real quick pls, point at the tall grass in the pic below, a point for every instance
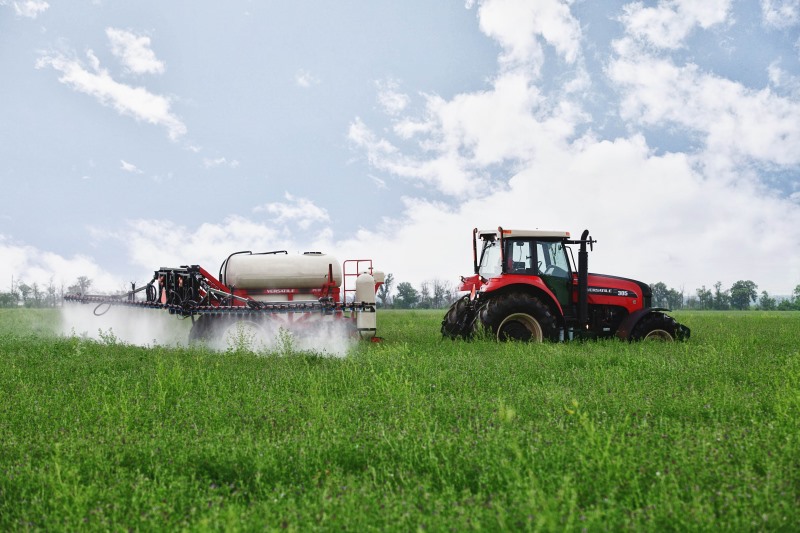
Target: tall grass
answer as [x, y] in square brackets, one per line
[412, 433]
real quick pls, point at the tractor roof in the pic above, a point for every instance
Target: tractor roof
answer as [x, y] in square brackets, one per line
[527, 233]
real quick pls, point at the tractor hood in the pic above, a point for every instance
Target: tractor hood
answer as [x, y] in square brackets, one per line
[605, 289]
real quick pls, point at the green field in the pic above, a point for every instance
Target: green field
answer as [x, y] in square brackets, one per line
[414, 433]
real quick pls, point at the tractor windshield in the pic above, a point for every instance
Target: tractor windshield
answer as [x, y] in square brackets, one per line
[489, 266]
[552, 259]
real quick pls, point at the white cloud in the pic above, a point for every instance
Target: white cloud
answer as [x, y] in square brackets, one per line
[28, 264]
[305, 79]
[670, 217]
[136, 102]
[129, 167]
[219, 161]
[134, 52]
[518, 25]
[391, 100]
[734, 120]
[780, 14]
[460, 138]
[29, 8]
[299, 211]
[669, 23]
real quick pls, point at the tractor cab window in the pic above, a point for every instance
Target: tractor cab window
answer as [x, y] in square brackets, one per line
[552, 259]
[489, 266]
[520, 256]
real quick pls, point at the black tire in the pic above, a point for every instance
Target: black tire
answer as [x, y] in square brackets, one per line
[519, 317]
[656, 326]
[458, 320]
[201, 329]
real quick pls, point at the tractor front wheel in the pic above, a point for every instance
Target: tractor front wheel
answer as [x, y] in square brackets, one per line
[655, 327]
[519, 317]
[458, 319]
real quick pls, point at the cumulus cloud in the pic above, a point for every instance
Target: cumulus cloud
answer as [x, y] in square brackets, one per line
[780, 14]
[299, 211]
[28, 264]
[669, 217]
[129, 167]
[520, 26]
[136, 102]
[219, 161]
[29, 8]
[305, 79]
[134, 52]
[669, 23]
[390, 99]
[734, 120]
[460, 138]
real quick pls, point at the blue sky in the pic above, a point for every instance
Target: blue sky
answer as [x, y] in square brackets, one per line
[140, 135]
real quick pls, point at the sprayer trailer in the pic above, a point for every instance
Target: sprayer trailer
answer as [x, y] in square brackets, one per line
[259, 291]
[526, 287]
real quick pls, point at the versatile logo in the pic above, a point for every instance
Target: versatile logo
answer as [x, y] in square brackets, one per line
[609, 291]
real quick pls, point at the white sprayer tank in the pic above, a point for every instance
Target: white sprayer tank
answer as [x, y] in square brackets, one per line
[366, 318]
[281, 271]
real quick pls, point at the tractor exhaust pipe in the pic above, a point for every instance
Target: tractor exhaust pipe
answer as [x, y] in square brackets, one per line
[583, 281]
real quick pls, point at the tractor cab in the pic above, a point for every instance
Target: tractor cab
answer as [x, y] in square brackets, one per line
[508, 254]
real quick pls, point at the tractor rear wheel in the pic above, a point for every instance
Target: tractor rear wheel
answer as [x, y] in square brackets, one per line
[519, 317]
[458, 319]
[655, 327]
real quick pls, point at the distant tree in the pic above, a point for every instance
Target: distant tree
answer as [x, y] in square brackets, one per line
[385, 290]
[407, 296]
[37, 297]
[766, 302]
[659, 294]
[705, 299]
[81, 286]
[742, 293]
[442, 293]
[674, 299]
[722, 299]
[8, 299]
[24, 292]
[425, 298]
[51, 299]
[785, 305]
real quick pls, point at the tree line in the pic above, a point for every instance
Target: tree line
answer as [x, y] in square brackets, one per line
[21, 294]
[438, 294]
[742, 295]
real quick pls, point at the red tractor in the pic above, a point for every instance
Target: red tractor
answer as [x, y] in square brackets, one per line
[526, 287]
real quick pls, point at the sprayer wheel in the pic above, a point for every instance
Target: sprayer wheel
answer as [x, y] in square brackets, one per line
[226, 332]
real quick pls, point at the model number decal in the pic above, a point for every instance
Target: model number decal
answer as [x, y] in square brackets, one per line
[611, 291]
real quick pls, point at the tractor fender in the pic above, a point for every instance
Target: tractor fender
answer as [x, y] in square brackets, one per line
[630, 321]
[518, 283]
